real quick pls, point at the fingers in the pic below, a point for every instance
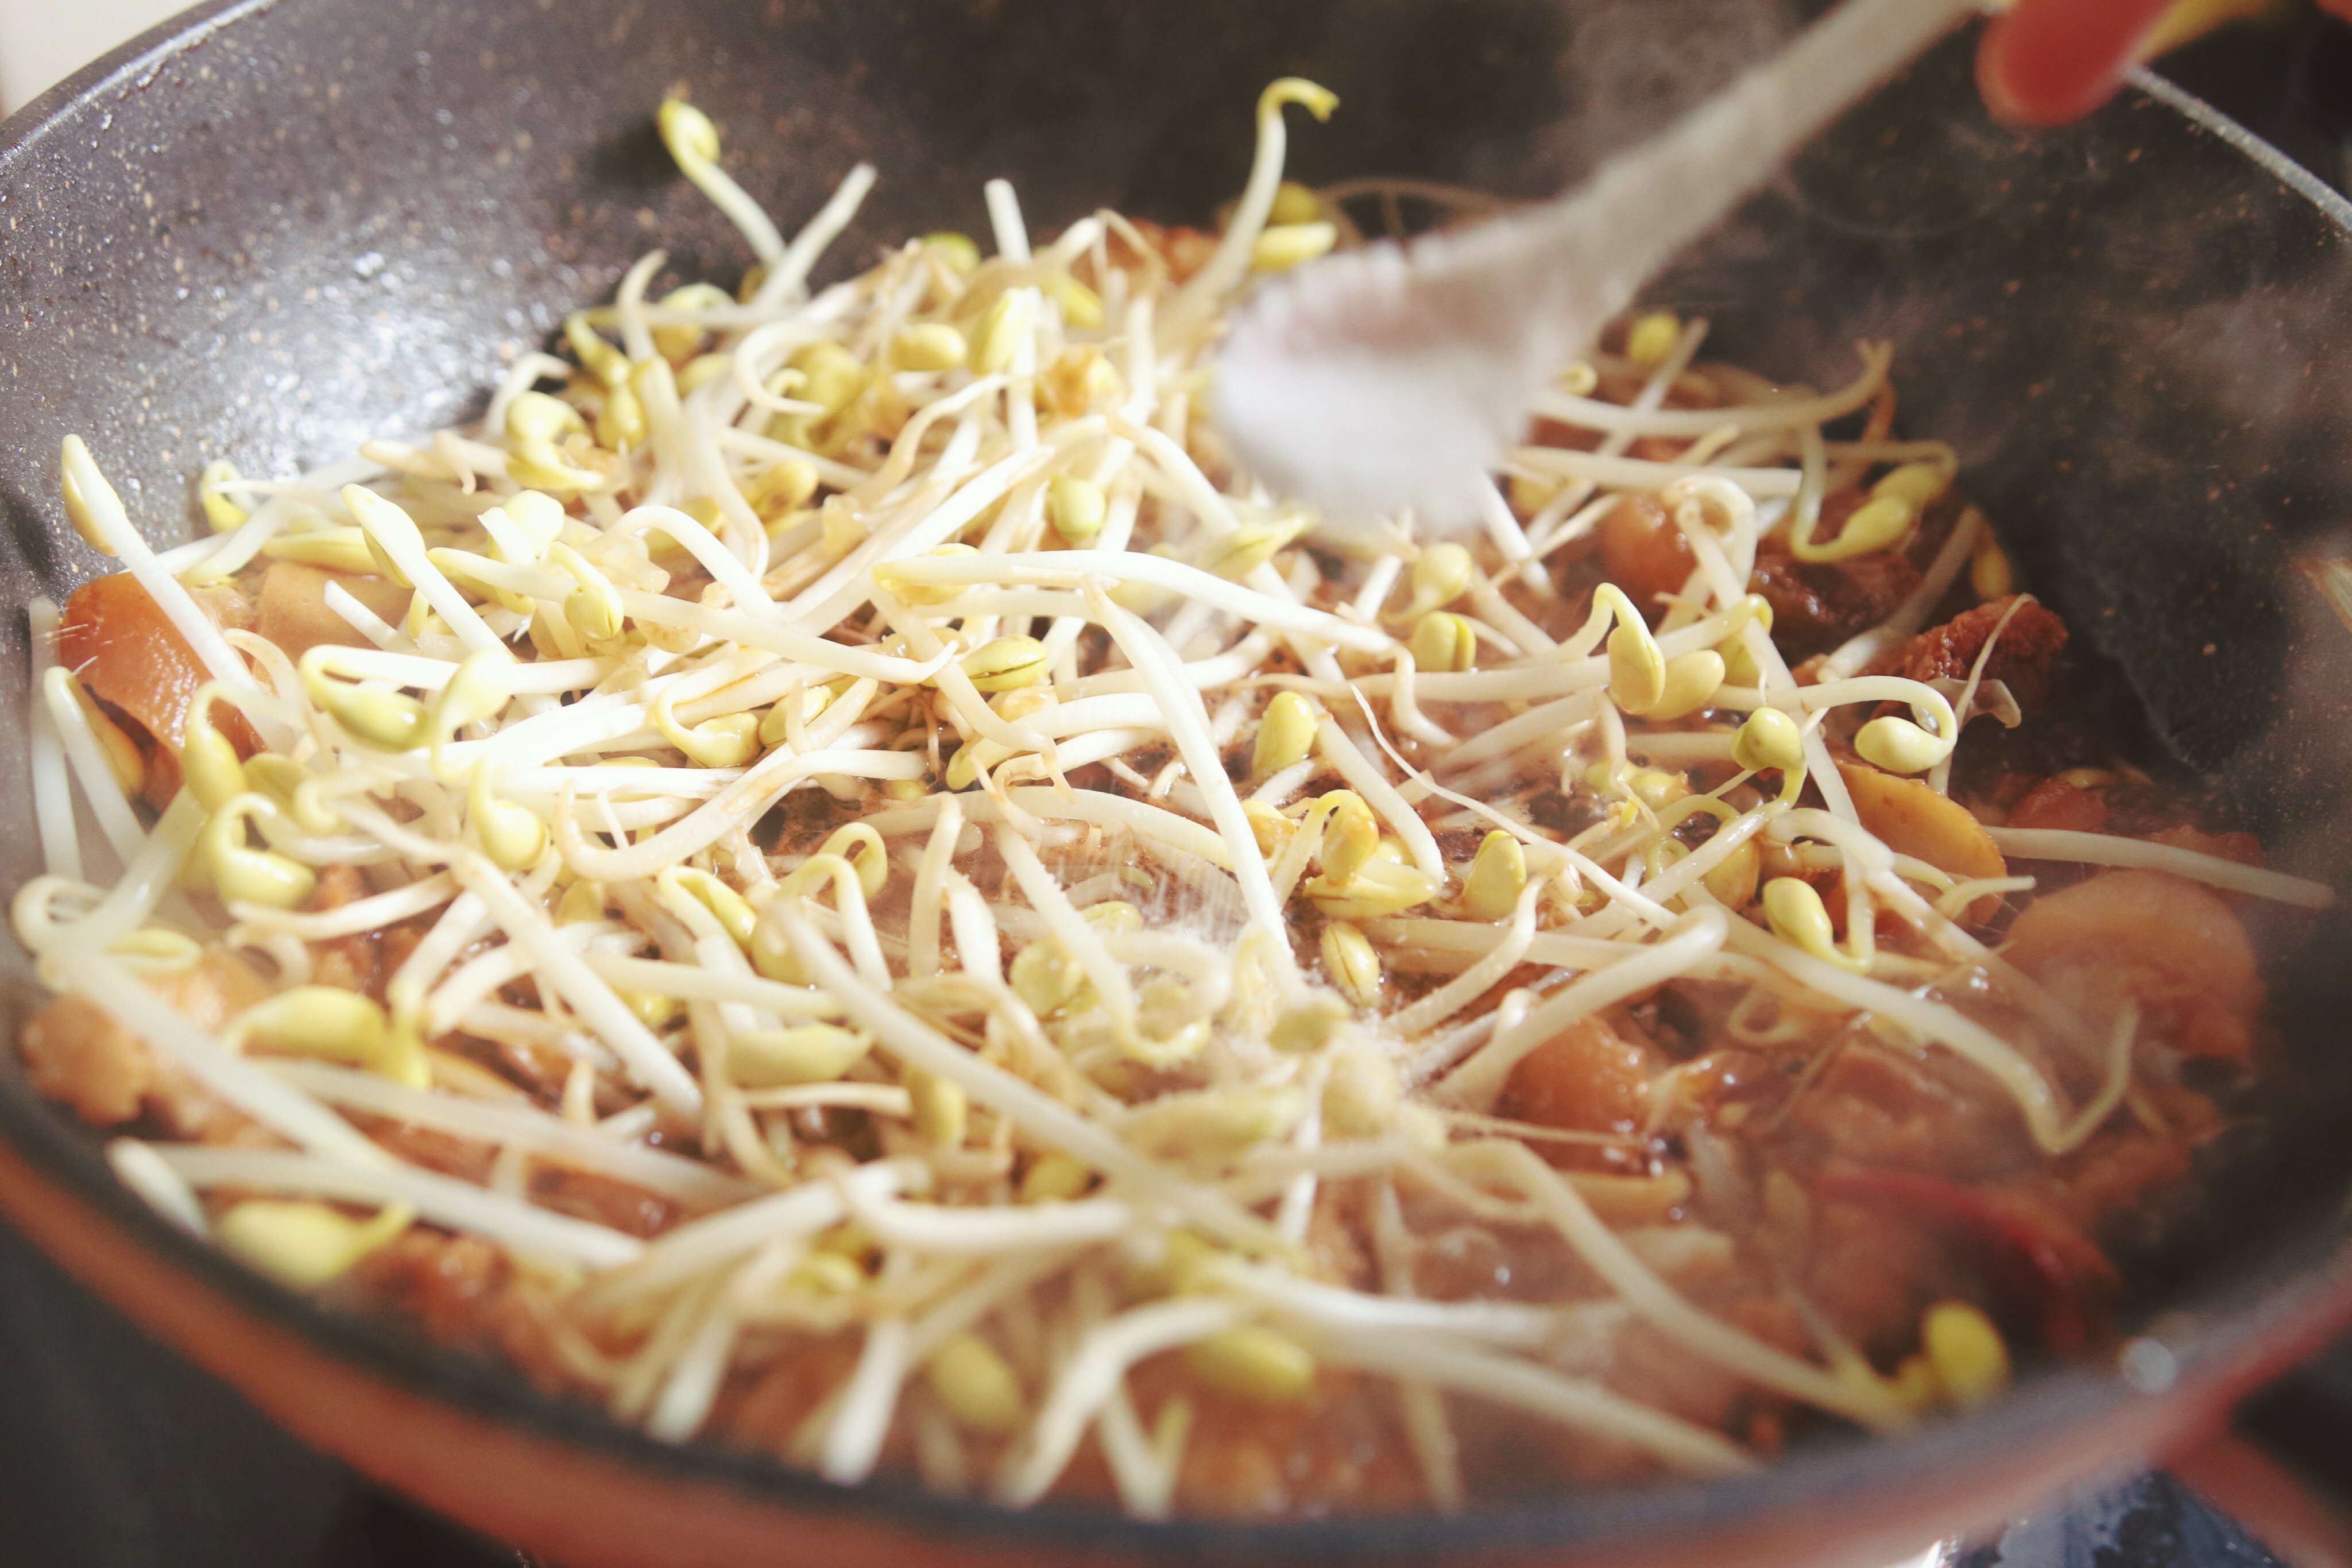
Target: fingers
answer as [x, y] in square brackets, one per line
[2045, 62]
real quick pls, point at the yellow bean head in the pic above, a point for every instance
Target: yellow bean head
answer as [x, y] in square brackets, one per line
[302, 1245]
[512, 835]
[1990, 574]
[1006, 664]
[1081, 307]
[687, 133]
[1001, 328]
[1966, 1351]
[833, 377]
[957, 250]
[1281, 246]
[621, 420]
[242, 875]
[1348, 958]
[1441, 574]
[1077, 508]
[1381, 888]
[221, 512]
[1045, 978]
[1916, 483]
[1350, 834]
[1690, 682]
[1899, 745]
[1498, 874]
[1637, 671]
[1055, 1177]
[1443, 640]
[915, 592]
[805, 1053]
[78, 506]
[581, 901]
[1253, 1362]
[209, 760]
[1653, 337]
[1285, 735]
[976, 1387]
[1309, 1023]
[1798, 917]
[927, 346]
[780, 487]
[1249, 546]
[941, 1110]
[1294, 204]
[1769, 738]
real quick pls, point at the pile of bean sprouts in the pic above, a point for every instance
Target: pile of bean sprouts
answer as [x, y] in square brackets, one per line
[927, 547]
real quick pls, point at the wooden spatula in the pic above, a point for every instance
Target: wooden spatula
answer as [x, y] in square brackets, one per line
[1394, 376]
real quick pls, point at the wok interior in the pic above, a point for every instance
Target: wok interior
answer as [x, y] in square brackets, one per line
[312, 227]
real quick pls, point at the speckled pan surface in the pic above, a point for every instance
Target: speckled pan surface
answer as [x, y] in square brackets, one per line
[291, 225]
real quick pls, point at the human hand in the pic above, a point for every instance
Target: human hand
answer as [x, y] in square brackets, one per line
[2045, 62]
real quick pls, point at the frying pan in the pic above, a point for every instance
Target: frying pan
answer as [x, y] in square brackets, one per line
[270, 231]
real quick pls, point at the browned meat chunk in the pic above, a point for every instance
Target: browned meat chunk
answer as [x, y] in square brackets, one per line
[80, 1056]
[1642, 549]
[1337, 1448]
[2058, 802]
[766, 1409]
[294, 613]
[1185, 250]
[448, 1284]
[1871, 1271]
[77, 1053]
[1817, 607]
[1587, 1078]
[2152, 939]
[348, 962]
[1927, 1113]
[2020, 660]
[130, 657]
[465, 1292]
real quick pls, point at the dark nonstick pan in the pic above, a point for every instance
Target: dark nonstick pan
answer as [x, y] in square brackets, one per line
[273, 230]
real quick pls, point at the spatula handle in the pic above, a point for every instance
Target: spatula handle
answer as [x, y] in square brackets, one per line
[1646, 205]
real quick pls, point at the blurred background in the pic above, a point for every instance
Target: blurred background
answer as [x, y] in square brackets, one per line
[115, 1455]
[43, 44]
[2275, 65]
